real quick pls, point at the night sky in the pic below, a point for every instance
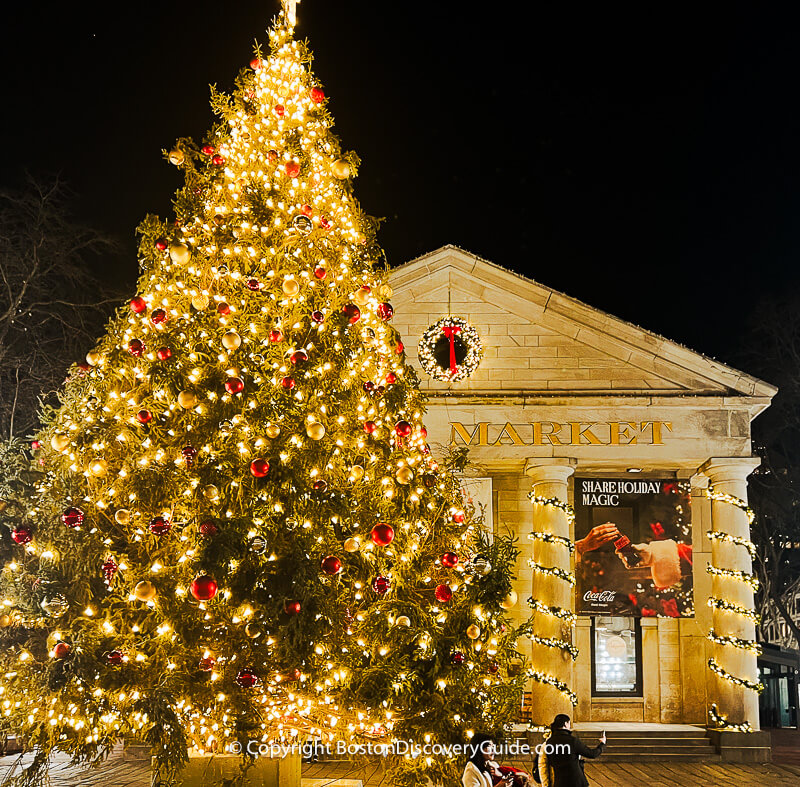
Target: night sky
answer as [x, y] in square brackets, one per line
[642, 158]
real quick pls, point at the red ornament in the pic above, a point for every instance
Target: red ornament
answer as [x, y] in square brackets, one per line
[136, 347]
[72, 517]
[158, 316]
[403, 428]
[144, 416]
[429, 480]
[109, 569]
[272, 156]
[423, 432]
[247, 678]
[234, 385]
[369, 386]
[385, 311]
[164, 353]
[259, 468]
[223, 308]
[307, 210]
[331, 565]
[381, 585]
[83, 366]
[443, 593]
[292, 169]
[382, 534]
[189, 454]
[159, 526]
[280, 110]
[459, 517]
[449, 559]
[320, 272]
[391, 378]
[218, 160]
[317, 316]
[352, 312]
[208, 528]
[320, 486]
[370, 427]
[325, 223]
[138, 305]
[287, 383]
[399, 348]
[299, 356]
[207, 149]
[162, 244]
[207, 664]
[256, 63]
[22, 534]
[275, 336]
[492, 667]
[292, 675]
[292, 607]
[61, 650]
[253, 284]
[35, 445]
[204, 588]
[114, 658]
[317, 95]
[457, 658]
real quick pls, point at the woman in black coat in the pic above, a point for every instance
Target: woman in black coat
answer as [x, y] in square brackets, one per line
[561, 766]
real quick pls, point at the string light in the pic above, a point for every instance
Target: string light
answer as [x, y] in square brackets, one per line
[453, 330]
[721, 722]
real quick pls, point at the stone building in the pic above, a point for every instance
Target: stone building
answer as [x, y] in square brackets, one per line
[565, 391]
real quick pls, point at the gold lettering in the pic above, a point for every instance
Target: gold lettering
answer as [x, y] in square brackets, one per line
[539, 435]
[510, 432]
[577, 434]
[482, 430]
[657, 437]
[620, 430]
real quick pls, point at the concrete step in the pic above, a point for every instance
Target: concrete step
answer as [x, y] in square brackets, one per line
[645, 751]
[713, 757]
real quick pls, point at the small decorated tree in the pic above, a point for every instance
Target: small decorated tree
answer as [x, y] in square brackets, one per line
[239, 533]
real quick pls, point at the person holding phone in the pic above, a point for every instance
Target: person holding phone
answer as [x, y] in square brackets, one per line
[560, 763]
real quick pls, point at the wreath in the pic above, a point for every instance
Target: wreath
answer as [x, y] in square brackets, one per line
[450, 349]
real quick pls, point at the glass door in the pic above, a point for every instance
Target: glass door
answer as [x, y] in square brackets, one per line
[616, 657]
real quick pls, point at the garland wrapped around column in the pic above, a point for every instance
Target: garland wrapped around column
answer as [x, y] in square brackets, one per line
[561, 613]
[719, 720]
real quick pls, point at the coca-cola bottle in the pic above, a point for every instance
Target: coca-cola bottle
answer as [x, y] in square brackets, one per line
[629, 554]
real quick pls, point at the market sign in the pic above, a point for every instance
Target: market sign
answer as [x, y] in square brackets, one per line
[561, 433]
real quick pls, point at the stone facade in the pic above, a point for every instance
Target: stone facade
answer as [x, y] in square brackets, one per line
[565, 389]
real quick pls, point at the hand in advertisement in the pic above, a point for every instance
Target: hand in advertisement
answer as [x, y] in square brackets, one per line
[597, 536]
[663, 559]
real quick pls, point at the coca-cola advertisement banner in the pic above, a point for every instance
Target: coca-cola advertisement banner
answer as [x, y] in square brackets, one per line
[633, 547]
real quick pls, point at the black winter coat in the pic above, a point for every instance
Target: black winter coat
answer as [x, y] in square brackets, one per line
[567, 769]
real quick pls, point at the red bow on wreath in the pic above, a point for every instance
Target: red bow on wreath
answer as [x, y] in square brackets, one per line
[451, 331]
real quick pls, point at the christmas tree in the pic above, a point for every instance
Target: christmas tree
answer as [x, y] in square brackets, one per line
[238, 531]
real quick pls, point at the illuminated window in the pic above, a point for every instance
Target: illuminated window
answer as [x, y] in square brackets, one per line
[616, 657]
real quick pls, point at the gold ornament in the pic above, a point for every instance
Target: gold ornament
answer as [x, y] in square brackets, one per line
[94, 358]
[316, 431]
[341, 169]
[5, 621]
[253, 630]
[200, 302]
[187, 400]
[290, 286]
[210, 492]
[123, 516]
[59, 442]
[385, 291]
[145, 591]
[231, 340]
[405, 475]
[473, 631]
[403, 620]
[98, 468]
[176, 157]
[351, 545]
[510, 600]
[362, 296]
[273, 430]
[179, 253]
[356, 473]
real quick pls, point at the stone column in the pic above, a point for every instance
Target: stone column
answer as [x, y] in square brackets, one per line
[550, 478]
[729, 476]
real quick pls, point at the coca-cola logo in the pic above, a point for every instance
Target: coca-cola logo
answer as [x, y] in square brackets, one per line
[603, 595]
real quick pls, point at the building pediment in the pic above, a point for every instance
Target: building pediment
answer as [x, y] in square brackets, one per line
[540, 342]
